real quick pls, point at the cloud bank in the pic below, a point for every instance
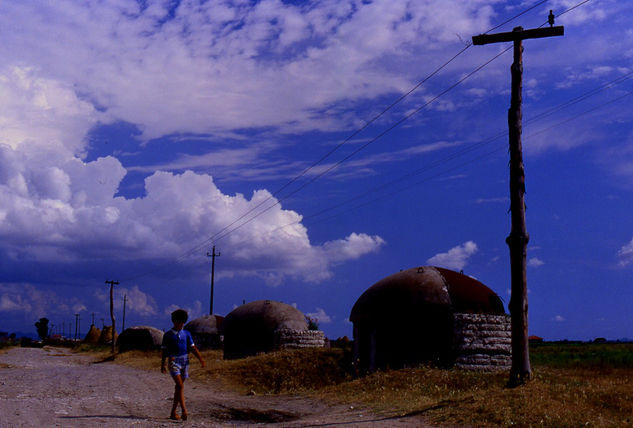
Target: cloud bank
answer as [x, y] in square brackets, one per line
[204, 67]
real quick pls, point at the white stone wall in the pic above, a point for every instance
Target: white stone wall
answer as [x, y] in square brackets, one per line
[292, 339]
[482, 342]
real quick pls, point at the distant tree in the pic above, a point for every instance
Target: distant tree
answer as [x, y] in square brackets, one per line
[42, 328]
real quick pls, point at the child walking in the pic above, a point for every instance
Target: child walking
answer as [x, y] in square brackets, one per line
[176, 345]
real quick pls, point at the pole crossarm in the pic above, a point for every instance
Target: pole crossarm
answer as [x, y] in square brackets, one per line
[518, 34]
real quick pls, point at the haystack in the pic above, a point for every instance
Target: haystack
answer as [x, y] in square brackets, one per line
[106, 335]
[93, 335]
[141, 337]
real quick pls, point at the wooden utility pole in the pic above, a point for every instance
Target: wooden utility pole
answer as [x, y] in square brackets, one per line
[124, 303]
[518, 239]
[112, 284]
[76, 325]
[213, 255]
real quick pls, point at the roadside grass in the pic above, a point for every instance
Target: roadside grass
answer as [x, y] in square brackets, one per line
[574, 385]
[101, 353]
[554, 398]
[6, 345]
[282, 372]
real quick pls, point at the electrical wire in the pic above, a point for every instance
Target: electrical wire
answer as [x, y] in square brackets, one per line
[461, 165]
[227, 229]
[362, 147]
[220, 234]
[479, 144]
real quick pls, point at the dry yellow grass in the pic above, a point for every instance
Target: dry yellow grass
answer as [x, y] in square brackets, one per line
[555, 398]
[581, 394]
[278, 372]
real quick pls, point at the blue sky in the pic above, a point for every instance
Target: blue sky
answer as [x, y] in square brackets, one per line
[136, 135]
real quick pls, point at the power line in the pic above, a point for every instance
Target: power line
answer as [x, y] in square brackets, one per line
[227, 229]
[491, 139]
[573, 7]
[475, 146]
[332, 151]
[220, 235]
[380, 135]
[346, 140]
[627, 94]
[487, 154]
[516, 16]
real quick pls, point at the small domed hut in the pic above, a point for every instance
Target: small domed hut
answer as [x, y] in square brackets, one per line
[430, 314]
[206, 331]
[265, 325]
[141, 337]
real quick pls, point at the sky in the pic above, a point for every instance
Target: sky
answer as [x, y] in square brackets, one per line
[319, 146]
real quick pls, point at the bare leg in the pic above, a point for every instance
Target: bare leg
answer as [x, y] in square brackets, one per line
[182, 400]
[179, 397]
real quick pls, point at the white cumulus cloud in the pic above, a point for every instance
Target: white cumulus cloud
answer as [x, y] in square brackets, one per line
[54, 205]
[320, 316]
[137, 301]
[455, 258]
[194, 311]
[535, 262]
[625, 254]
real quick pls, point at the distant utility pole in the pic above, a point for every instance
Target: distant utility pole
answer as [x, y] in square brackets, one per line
[517, 241]
[76, 325]
[213, 255]
[112, 284]
[124, 302]
[102, 323]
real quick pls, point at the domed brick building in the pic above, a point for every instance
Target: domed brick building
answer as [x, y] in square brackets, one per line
[206, 331]
[430, 315]
[141, 337]
[266, 325]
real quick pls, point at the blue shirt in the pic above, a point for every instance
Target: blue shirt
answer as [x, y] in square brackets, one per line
[177, 343]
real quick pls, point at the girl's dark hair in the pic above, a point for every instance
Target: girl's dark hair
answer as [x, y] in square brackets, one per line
[179, 315]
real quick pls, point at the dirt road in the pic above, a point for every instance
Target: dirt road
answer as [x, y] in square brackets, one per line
[54, 387]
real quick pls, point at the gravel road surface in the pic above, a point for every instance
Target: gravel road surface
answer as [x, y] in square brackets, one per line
[53, 387]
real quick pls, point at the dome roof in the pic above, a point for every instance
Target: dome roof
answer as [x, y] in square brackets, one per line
[207, 324]
[139, 337]
[268, 313]
[251, 328]
[425, 286]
